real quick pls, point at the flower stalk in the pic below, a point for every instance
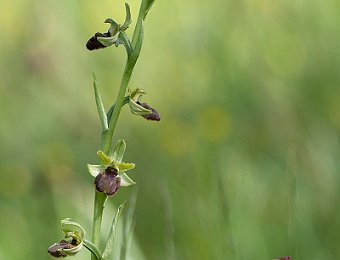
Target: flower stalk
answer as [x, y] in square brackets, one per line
[133, 51]
[110, 175]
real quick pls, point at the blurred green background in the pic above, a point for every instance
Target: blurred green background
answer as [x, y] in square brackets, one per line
[245, 161]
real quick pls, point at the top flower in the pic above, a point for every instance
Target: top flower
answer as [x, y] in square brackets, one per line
[103, 40]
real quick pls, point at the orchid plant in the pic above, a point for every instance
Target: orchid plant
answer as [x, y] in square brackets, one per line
[111, 174]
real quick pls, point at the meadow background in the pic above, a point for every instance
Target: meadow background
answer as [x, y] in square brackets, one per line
[244, 163]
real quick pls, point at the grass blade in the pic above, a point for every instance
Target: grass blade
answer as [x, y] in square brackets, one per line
[107, 254]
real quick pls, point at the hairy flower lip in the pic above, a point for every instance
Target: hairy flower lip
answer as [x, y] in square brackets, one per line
[53, 250]
[94, 44]
[154, 116]
[107, 181]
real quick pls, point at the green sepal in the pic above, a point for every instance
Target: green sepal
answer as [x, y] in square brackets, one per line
[138, 109]
[125, 166]
[68, 226]
[106, 160]
[94, 170]
[128, 20]
[118, 151]
[125, 180]
[114, 28]
[72, 230]
[108, 41]
[136, 94]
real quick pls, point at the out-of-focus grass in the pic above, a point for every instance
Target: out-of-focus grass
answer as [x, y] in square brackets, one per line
[245, 161]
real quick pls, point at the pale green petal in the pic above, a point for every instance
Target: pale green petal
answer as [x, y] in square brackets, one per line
[125, 166]
[136, 94]
[94, 170]
[114, 28]
[138, 109]
[125, 180]
[128, 20]
[108, 41]
[70, 227]
[104, 158]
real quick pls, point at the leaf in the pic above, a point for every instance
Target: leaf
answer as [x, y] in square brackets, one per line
[149, 4]
[107, 254]
[99, 103]
[129, 224]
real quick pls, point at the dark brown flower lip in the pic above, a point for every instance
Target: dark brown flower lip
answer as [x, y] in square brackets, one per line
[94, 44]
[107, 181]
[53, 250]
[154, 116]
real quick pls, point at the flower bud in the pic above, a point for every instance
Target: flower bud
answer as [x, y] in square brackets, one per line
[103, 40]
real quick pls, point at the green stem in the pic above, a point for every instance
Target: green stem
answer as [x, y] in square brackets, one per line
[108, 135]
[110, 111]
[126, 42]
[133, 51]
[99, 201]
[93, 249]
[138, 28]
[106, 143]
